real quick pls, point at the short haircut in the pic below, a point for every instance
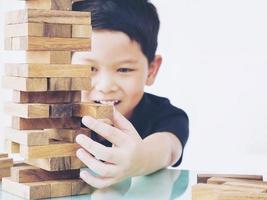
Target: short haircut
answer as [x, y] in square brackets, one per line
[136, 18]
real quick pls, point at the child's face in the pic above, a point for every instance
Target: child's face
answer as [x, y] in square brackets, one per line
[120, 71]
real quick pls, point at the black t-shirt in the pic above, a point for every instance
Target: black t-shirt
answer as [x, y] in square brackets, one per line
[156, 114]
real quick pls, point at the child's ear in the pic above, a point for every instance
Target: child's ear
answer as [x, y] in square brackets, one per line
[153, 70]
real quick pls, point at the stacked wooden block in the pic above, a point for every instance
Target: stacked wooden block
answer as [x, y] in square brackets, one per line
[229, 187]
[5, 165]
[47, 109]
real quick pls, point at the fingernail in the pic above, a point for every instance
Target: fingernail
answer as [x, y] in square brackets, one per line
[78, 138]
[79, 153]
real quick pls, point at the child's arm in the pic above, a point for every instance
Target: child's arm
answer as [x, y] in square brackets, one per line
[129, 156]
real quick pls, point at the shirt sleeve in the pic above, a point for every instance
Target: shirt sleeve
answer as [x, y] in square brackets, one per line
[175, 122]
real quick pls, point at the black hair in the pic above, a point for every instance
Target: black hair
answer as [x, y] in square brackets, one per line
[136, 18]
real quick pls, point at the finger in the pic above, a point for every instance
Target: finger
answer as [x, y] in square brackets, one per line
[100, 168]
[112, 134]
[100, 151]
[96, 182]
[107, 121]
[123, 123]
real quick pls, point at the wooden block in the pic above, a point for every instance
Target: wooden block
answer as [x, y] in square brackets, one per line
[27, 110]
[242, 196]
[222, 180]
[60, 188]
[31, 43]
[7, 43]
[80, 187]
[49, 4]
[202, 178]
[11, 147]
[67, 135]
[38, 30]
[47, 70]
[63, 84]
[24, 84]
[4, 172]
[36, 190]
[3, 155]
[49, 151]
[98, 111]
[6, 162]
[27, 174]
[37, 124]
[81, 31]
[27, 137]
[48, 97]
[52, 164]
[76, 163]
[48, 57]
[250, 184]
[48, 16]
[60, 110]
[213, 192]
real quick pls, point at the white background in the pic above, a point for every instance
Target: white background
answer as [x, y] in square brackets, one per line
[215, 68]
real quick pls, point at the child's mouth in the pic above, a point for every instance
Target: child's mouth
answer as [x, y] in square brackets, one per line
[108, 102]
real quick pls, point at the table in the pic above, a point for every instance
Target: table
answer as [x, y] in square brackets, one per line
[162, 185]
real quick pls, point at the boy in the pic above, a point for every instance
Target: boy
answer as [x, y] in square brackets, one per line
[148, 133]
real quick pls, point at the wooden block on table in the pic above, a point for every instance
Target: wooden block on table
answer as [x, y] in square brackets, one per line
[63, 84]
[48, 151]
[79, 187]
[36, 190]
[47, 70]
[48, 97]
[81, 31]
[27, 137]
[30, 43]
[98, 111]
[3, 155]
[202, 178]
[4, 172]
[60, 188]
[6, 162]
[24, 84]
[214, 192]
[27, 110]
[48, 57]
[48, 16]
[47, 123]
[27, 174]
[49, 4]
[249, 184]
[67, 135]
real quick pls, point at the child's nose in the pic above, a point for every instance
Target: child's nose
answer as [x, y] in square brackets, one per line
[104, 82]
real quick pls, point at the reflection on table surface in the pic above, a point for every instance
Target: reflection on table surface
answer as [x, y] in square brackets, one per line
[164, 184]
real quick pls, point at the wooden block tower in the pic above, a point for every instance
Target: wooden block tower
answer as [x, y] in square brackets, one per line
[46, 107]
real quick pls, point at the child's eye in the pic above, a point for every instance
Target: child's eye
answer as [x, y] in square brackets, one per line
[125, 70]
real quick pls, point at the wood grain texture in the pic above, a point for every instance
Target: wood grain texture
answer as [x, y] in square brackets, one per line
[27, 137]
[47, 57]
[37, 124]
[6, 162]
[49, 4]
[98, 111]
[47, 70]
[60, 110]
[26, 174]
[69, 84]
[48, 151]
[81, 31]
[48, 97]
[36, 190]
[48, 16]
[30, 43]
[3, 155]
[222, 180]
[27, 110]
[11, 147]
[67, 135]
[79, 187]
[4, 172]
[24, 84]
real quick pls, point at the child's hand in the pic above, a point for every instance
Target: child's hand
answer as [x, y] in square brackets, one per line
[112, 164]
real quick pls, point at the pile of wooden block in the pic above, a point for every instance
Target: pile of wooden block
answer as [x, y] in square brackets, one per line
[229, 187]
[46, 108]
[5, 165]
